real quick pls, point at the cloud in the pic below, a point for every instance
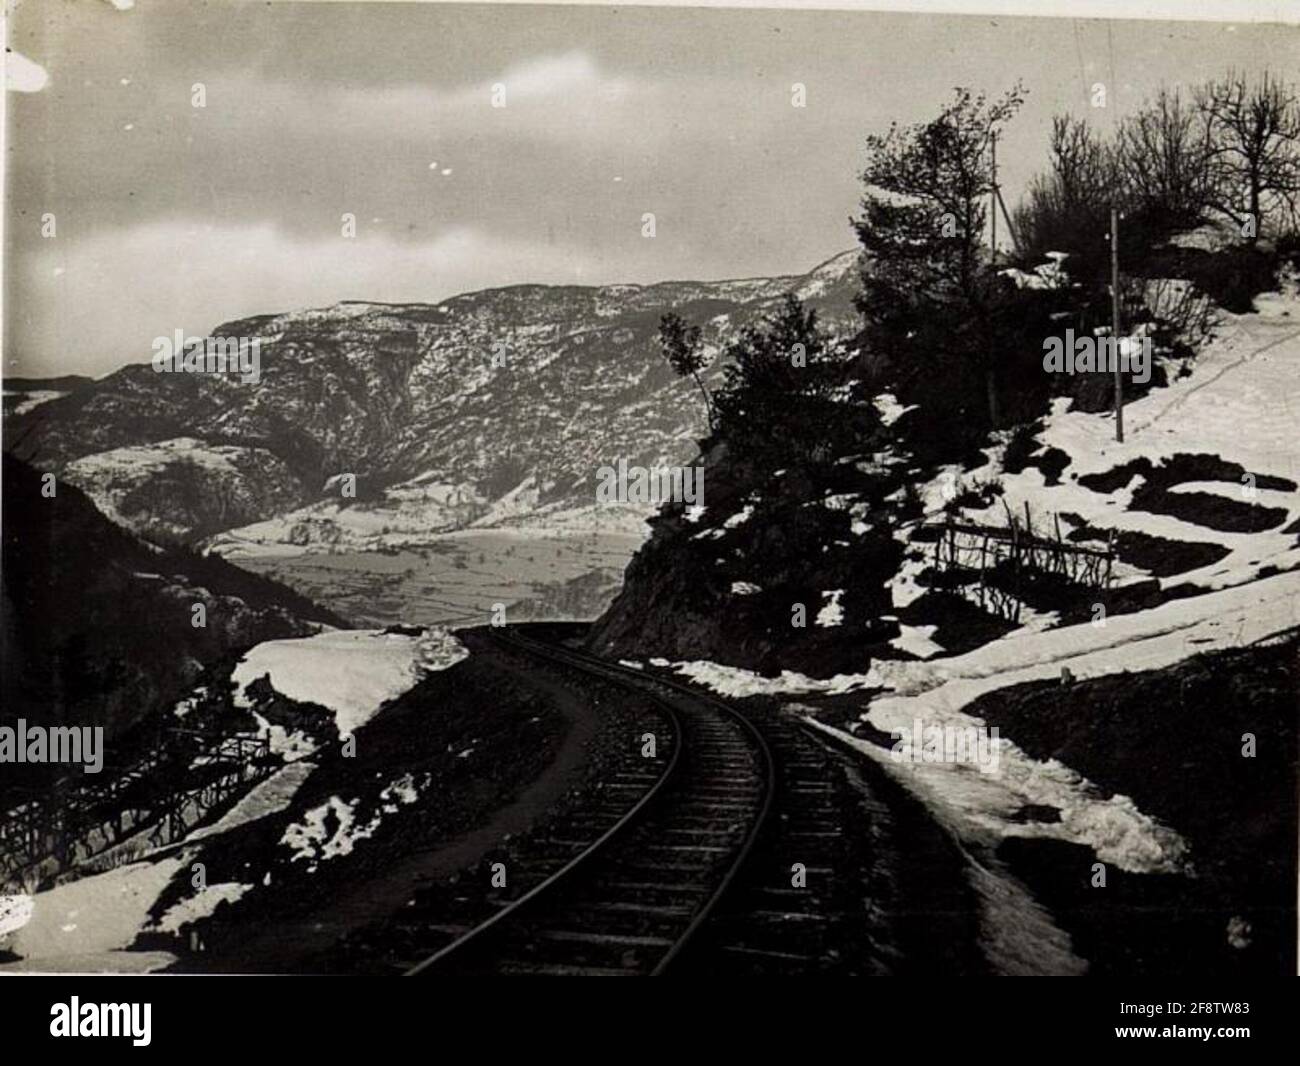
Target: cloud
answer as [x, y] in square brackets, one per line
[563, 97]
[556, 75]
[23, 75]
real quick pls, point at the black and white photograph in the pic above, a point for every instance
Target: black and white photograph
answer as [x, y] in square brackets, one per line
[712, 492]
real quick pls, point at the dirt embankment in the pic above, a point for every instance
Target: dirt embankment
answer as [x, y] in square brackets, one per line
[496, 746]
[1175, 740]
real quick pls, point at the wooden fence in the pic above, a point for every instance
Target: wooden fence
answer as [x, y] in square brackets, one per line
[993, 565]
[181, 778]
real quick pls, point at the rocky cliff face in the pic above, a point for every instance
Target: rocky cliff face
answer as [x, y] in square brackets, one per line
[783, 569]
[182, 489]
[478, 396]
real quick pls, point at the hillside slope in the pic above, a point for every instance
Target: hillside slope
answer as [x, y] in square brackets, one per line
[97, 626]
[1120, 744]
[1201, 495]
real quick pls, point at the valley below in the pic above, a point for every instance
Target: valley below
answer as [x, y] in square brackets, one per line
[458, 578]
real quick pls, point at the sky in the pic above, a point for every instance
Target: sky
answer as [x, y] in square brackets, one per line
[170, 216]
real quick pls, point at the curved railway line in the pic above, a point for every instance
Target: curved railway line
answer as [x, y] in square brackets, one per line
[694, 872]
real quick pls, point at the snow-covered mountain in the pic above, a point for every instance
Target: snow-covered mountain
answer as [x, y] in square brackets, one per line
[488, 406]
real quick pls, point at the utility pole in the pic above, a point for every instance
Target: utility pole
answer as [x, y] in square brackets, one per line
[996, 203]
[990, 355]
[1114, 322]
[993, 199]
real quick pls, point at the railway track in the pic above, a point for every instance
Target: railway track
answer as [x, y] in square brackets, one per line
[625, 893]
[733, 861]
[802, 902]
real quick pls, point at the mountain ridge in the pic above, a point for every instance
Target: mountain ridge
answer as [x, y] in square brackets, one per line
[393, 393]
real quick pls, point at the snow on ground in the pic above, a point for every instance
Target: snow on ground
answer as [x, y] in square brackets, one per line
[107, 477]
[350, 672]
[1018, 935]
[15, 912]
[740, 517]
[904, 587]
[313, 837]
[417, 514]
[625, 519]
[739, 683]
[1144, 640]
[1049, 275]
[937, 692]
[33, 399]
[1232, 491]
[332, 828]
[916, 641]
[86, 925]
[519, 502]
[408, 516]
[978, 805]
[263, 799]
[403, 790]
[200, 905]
[111, 962]
[1237, 404]
[831, 614]
[889, 409]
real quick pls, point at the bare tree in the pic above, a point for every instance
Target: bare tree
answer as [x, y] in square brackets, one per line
[1163, 157]
[1067, 208]
[1254, 154]
[1083, 165]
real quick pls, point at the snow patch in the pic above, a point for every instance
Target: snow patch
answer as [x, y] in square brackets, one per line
[889, 409]
[200, 905]
[915, 640]
[350, 672]
[740, 517]
[333, 829]
[831, 614]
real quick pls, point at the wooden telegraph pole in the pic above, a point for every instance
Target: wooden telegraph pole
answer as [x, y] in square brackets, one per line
[993, 198]
[1114, 322]
[995, 202]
